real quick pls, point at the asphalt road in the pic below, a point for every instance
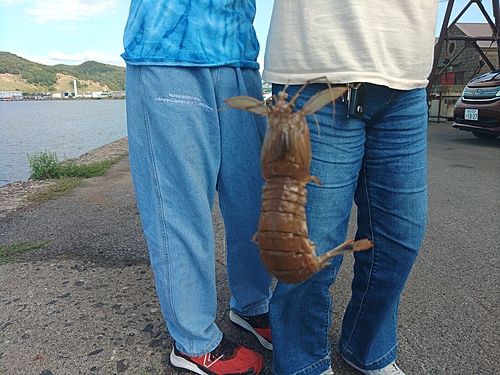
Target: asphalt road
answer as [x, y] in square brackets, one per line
[450, 309]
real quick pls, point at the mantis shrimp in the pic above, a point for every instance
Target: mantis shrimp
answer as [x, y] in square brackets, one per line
[285, 248]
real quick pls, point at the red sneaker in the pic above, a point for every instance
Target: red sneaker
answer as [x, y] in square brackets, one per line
[226, 359]
[258, 325]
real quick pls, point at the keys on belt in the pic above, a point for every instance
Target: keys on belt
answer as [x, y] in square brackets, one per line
[356, 100]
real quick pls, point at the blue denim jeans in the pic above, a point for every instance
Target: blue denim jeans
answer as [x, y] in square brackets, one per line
[182, 149]
[380, 163]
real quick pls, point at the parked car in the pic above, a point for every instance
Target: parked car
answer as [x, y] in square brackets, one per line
[478, 109]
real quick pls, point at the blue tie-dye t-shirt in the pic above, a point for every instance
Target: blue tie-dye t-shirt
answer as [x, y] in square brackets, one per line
[191, 33]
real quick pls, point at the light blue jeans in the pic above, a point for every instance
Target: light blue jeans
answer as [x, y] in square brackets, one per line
[380, 163]
[182, 149]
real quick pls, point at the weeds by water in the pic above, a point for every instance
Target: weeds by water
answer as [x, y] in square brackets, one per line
[46, 165]
[65, 174]
[9, 253]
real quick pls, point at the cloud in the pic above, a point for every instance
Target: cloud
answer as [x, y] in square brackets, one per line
[6, 3]
[43, 11]
[57, 57]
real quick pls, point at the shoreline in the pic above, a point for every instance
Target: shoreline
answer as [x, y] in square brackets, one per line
[14, 196]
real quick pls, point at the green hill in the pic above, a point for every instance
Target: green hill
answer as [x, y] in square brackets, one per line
[46, 78]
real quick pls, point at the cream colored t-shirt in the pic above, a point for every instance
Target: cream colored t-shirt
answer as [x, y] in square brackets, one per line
[384, 42]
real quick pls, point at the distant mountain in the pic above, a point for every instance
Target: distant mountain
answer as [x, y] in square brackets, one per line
[16, 71]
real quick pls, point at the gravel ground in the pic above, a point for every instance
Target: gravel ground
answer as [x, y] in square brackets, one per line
[86, 303]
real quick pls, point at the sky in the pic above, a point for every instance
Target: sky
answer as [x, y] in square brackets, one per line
[73, 31]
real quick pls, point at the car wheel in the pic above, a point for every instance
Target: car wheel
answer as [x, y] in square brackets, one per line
[484, 135]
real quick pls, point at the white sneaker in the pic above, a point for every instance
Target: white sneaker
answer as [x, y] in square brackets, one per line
[329, 371]
[390, 369]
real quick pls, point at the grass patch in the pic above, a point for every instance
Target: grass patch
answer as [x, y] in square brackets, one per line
[9, 253]
[46, 165]
[99, 168]
[66, 174]
[62, 187]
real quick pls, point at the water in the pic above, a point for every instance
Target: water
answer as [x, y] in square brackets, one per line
[69, 128]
